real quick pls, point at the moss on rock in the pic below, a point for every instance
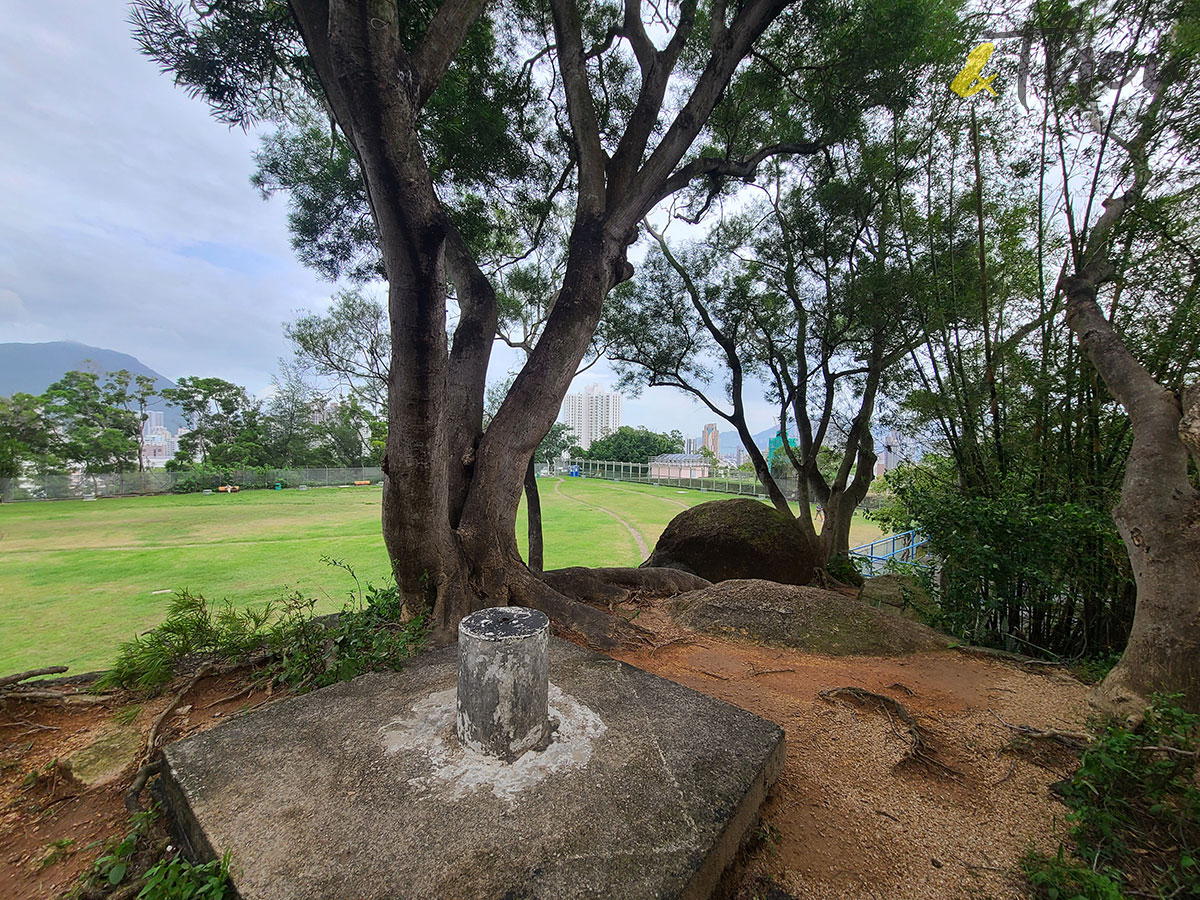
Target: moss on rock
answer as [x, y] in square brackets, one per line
[805, 618]
[741, 538]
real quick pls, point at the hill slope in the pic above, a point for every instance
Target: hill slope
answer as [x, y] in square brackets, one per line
[31, 368]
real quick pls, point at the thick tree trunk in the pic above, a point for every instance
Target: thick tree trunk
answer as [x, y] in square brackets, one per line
[1158, 518]
[451, 490]
[533, 515]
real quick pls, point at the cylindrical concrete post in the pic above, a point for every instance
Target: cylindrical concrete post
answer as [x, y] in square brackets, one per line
[503, 680]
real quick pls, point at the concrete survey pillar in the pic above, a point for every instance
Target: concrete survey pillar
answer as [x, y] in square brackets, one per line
[503, 680]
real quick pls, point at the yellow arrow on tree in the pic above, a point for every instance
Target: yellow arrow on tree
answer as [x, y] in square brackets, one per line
[967, 83]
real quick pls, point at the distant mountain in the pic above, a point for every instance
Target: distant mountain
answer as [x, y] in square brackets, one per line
[31, 368]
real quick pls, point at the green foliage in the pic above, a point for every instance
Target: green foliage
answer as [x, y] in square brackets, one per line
[369, 634]
[638, 445]
[1135, 813]
[135, 863]
[192, 626]
[177, 879]
[90, 422]
[1060, 878]
[1047, 575]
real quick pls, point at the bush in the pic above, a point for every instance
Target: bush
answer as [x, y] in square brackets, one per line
[1017, 570]
[369, 634]
[1135, 813]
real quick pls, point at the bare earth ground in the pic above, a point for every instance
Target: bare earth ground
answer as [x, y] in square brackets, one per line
[850, 817]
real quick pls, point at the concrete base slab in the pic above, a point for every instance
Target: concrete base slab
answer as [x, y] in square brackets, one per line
[361, 790]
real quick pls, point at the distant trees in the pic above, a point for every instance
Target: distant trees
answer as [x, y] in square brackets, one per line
[637, 445]
[90, 423]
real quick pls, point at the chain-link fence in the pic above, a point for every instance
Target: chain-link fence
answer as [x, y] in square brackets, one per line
[80, 486]
[734, 482]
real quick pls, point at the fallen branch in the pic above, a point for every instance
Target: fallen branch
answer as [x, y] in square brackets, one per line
[1074, 739]
[152, 738]
[918, 748]
[32, 673]
[29, 694]
[754, 671]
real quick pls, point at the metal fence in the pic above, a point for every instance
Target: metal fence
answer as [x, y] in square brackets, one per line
[78, 486]
[736, 482]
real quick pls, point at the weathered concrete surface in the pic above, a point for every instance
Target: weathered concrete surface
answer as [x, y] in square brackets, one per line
[362, 791]
[503, 680]
[112, 750]
[805, 618]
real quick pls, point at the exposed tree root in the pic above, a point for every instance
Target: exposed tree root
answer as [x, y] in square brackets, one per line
[918, 748]
[32, 673]
[12, 689]
[1074, 739]
[139, 783]
[609, 586]
[152, 738]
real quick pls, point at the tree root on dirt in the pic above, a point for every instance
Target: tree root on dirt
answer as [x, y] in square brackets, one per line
[1075, 740]
[918, 748]
[152, 738]
[139, 784]
[12, 689]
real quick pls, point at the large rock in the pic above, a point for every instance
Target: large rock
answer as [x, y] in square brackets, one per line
[739, 538]
[805, 618]
[110, 751]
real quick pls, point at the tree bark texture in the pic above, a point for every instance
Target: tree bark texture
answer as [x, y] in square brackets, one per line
[451, 489]
[1158, 518]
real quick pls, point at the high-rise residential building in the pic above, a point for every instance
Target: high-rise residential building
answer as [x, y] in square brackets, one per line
[691, 445]
[712, 438]
[154, 419]
[591, 415]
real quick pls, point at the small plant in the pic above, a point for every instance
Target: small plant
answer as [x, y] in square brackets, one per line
[175, 878]
[368, 635]
[141, 865]
[56, 850]
[1135, 813]
[1059, 878]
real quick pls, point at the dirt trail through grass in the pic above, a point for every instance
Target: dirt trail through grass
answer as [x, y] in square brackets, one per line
[637, 535]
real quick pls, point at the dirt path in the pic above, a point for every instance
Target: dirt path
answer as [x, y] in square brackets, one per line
[637, 535]
[850, 818]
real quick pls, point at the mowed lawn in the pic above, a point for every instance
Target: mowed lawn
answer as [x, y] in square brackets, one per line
[78, 577]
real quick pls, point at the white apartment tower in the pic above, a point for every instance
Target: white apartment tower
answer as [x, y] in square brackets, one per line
[591, 415]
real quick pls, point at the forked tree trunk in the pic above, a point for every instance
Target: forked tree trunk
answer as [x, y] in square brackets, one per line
[452, 490]
[1158, 518]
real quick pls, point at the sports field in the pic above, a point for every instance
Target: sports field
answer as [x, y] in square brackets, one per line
[78, 577]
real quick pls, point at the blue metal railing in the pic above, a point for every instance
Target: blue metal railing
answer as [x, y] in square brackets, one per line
[898, 547]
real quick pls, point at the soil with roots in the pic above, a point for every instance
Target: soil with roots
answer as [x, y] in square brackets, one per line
[856, 814]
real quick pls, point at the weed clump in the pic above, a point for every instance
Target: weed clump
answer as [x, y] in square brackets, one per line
[1135, 814]
[299, 648]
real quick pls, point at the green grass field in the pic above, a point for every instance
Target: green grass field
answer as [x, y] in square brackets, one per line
[77, 577]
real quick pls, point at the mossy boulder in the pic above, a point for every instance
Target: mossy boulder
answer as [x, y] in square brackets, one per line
[740, 538]
[804, 618]
[897, 593]
[111, 750]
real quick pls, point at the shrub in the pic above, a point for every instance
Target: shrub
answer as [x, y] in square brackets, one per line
[369, 634]
[1135, 813]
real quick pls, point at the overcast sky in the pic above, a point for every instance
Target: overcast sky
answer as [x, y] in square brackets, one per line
[129, 221]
